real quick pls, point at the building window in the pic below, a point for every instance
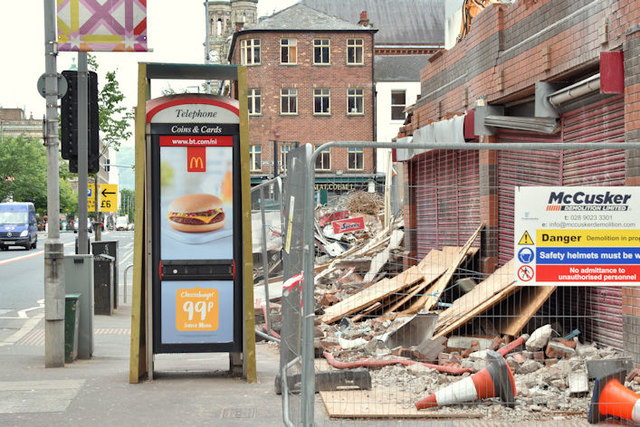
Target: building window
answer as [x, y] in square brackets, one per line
[321, 101]
[398, 104]
[255, 102]
[323, 161]
[255, 157]
[289, 101]
[355, 101]
[250, 52]
[288, 51]
[321, 51]
[355, 52]
[284, 153]
[356, 158]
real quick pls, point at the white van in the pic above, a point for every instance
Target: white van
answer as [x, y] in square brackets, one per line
[18, 225]
[121, 223]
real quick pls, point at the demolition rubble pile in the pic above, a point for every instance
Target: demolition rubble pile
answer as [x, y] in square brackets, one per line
[415, 330]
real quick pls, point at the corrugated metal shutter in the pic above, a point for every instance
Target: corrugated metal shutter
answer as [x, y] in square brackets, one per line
[600, 307]
[447, 199]
[521, 168]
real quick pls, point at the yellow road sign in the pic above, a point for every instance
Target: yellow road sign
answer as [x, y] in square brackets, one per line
[91, 197]
[107, 197]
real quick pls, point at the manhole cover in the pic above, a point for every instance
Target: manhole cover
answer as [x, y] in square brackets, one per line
[239, 413]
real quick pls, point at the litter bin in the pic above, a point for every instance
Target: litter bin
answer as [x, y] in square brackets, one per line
[109, 247]
[71, 327]
[103, 293]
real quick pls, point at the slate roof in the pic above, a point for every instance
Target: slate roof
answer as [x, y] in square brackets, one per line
[398, 21]
[399, 68]
[303, 18]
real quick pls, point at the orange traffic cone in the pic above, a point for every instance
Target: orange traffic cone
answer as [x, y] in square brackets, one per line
[496, 380]
[611, 397]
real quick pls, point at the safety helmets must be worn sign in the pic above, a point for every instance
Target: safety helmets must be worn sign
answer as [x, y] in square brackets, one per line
[582, 236]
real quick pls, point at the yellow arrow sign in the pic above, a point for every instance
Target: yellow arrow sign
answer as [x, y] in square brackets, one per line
[107, 197]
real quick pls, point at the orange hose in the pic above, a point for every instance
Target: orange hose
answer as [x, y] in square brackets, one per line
[511, 346]
[373, 363]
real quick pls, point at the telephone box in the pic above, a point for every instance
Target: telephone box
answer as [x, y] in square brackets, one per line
[196, 224]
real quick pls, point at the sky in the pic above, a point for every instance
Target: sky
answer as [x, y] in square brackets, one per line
[175, 33]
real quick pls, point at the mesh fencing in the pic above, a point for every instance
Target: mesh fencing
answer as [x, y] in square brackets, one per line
[418, 312]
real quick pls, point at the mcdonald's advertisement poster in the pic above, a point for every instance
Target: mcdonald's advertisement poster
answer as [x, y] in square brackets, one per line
[196, 197]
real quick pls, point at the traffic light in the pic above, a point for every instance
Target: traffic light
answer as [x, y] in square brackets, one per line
[69, 122]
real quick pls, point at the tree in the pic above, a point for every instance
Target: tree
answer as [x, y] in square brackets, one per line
[23, 162]
[127, 203]
[114, 116]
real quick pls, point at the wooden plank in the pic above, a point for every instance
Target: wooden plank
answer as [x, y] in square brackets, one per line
[531, 299]
[430, 275]
[486, 294]
[378, 291]
[429, 299]
[380, 403]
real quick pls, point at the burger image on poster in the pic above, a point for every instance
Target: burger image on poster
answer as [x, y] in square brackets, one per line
[196, 220]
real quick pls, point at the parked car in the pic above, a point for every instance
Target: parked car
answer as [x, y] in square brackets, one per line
[89, 225]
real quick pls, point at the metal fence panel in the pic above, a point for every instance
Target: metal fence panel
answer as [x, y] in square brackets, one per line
[438, 321]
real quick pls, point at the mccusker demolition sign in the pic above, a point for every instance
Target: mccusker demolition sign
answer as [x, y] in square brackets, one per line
[587, 236]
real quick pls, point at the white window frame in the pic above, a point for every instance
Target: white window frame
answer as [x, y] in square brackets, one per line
[324, 158]
[284, 152]
[355, 95]
[324, 95]
[319, 44]
[255, 158]
[289, 96]
[356, 46]
[357, 153]
[400, 107]
[249, 50]
[254, 95]
[291, 47]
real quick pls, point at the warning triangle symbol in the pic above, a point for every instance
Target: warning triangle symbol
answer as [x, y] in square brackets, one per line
[526, 239]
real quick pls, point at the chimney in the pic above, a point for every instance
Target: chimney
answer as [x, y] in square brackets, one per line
[364, 21]
[239, 26]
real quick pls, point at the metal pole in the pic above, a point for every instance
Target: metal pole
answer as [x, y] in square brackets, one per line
[97, 227]
[53, 249]
[265, 262]
[83, 149]
[308, 386]
[275, 158]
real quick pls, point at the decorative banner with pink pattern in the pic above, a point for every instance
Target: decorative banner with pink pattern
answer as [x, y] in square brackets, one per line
[102, 25]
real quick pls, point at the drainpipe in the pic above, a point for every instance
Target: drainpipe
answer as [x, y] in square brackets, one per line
[585, 87]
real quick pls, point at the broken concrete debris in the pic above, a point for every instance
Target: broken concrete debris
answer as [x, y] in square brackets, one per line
[420, 326]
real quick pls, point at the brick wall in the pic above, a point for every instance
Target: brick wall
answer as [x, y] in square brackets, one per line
[271, 76]
[509, 48]
[631, 296]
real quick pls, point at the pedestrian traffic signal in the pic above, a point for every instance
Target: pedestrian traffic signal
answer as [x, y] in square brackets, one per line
[69, 122]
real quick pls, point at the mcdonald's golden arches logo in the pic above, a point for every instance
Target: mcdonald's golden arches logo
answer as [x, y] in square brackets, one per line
[196, 159]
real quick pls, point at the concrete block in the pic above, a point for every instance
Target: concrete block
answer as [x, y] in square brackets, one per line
[604, 367]
[578, 384]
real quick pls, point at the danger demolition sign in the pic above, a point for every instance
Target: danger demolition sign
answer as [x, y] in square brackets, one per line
[582, 236]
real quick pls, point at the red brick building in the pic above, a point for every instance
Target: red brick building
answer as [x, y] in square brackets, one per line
[310, 81]
[581, 56]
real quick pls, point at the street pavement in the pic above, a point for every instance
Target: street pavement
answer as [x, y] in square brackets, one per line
[188, 389]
